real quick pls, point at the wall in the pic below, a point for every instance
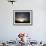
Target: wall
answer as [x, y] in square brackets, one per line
[38, 30]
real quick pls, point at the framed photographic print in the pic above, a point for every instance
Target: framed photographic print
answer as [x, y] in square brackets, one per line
[22, 17]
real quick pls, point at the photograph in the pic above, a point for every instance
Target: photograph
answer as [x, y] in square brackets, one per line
[22, 17]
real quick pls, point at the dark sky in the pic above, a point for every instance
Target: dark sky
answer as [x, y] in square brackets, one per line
[23, 14]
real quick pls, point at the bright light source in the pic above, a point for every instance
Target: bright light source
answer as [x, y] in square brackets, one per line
[21, 19]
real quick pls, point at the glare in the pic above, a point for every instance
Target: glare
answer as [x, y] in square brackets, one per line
[21, 19]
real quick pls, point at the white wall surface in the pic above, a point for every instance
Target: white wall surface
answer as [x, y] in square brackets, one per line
[38, 30]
